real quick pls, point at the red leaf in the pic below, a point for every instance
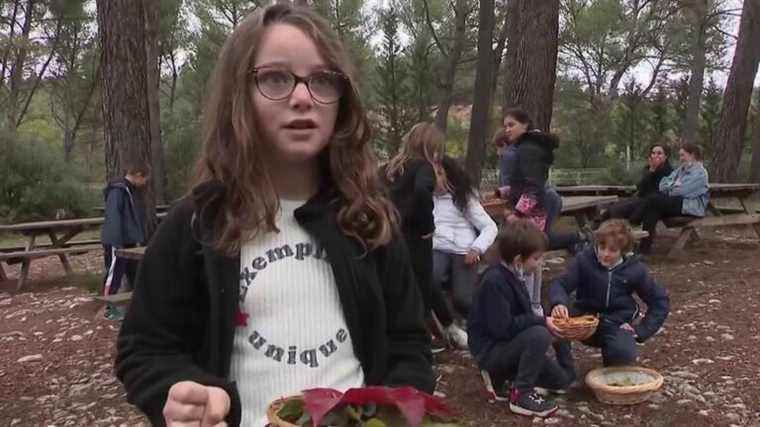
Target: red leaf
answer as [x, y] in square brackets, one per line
[241, 318]
[412, 403]
[319, 401]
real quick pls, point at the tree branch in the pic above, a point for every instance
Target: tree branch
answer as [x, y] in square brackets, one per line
[429, 22]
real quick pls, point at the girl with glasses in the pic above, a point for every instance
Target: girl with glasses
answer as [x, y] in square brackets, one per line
[283, 269]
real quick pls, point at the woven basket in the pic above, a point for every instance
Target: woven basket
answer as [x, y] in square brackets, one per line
[602, 383]
[274, 408]
[577, 328]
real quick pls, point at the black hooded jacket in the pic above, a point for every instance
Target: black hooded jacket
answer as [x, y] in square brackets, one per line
[181, 321]
[528, 174]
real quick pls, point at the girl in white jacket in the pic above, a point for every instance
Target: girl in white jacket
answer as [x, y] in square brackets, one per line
[463, 233]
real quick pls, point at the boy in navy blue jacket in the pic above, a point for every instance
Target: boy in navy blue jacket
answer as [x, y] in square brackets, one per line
[604, 281]
[508, 340]
[124, 226]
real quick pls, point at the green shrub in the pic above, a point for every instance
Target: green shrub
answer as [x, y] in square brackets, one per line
[36, 183]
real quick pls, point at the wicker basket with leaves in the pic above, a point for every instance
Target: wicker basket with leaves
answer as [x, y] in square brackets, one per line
[577, 328]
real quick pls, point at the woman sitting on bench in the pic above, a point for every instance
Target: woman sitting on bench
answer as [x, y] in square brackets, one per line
[658, 167]
[682, 193]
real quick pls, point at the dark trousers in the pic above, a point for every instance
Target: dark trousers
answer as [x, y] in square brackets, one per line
[618, 346]
[553, 206]
[450, 269]
[524, 361]
[655, 208]
[116, 268]
[421, 256]
[623, 209]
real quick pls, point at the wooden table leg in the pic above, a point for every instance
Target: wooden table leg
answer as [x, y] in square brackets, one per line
[25, 264]
[59, 243]
[746, 208]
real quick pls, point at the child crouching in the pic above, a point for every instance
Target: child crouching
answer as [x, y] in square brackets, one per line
[508, 340]
[604, 280]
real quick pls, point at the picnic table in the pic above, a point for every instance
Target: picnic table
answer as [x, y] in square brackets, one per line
[131, 253]
[596, 190]
[583, 208]
[60, 232]
[159, 208]
[716, 216]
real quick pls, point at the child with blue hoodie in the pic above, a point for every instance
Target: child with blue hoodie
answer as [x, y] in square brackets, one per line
[604, 280]
[507, 338]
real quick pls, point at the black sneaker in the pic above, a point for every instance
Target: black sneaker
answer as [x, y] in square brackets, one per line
[531, 404]
[498, 393]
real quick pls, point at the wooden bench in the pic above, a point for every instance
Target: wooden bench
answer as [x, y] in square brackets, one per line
[689, 225]
[24, 257]
[69, 244]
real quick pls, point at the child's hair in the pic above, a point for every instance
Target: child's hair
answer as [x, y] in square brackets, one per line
[232, 151]
[500, 138]
[423, 141]
[616, 233]
[692, 149]
[521, 237]
[520, 115]
[135, 167]
[460, 185]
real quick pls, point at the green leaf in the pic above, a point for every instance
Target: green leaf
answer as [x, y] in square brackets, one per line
[292, 410]
[374, 422]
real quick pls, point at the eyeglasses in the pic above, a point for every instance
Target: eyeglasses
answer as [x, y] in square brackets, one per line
[325, 87]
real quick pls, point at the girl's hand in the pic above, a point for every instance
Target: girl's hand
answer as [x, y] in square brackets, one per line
[472, 257]
[560, 312]
[427, 236]
[629, 328]
[190, 403]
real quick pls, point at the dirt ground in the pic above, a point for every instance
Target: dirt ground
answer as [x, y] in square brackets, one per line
[56, 353]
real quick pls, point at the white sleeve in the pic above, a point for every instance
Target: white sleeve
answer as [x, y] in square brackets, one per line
[482, 222]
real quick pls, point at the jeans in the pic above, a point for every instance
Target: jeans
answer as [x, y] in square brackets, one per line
[450, 268]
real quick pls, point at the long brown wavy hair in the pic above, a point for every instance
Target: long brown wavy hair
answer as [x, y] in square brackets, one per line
[423, 141]
[232, 148]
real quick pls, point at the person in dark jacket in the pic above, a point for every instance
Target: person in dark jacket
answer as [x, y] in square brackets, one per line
[123, 227]
[529, 156]
[684, 192]
[604, 279]
[507, 339]
[412, 176]
[284, 269]
[658, 166]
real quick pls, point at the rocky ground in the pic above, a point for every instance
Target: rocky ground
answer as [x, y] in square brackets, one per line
[56, 351]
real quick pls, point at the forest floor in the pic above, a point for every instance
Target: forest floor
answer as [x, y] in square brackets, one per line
[56, 350]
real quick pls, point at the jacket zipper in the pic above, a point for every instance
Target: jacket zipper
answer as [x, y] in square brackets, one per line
[609, 284]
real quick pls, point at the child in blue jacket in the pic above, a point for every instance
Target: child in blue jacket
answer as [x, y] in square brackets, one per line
[604, 280]
[508, 340]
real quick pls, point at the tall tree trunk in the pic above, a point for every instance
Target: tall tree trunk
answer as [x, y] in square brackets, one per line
[126, 110]
[698, 11]
[754, 167]
[729, 140]
[452, 61]
[481, 104]
[532, 58]
[153, 76]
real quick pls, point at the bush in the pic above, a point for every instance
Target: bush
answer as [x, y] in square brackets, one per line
[36, 183]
